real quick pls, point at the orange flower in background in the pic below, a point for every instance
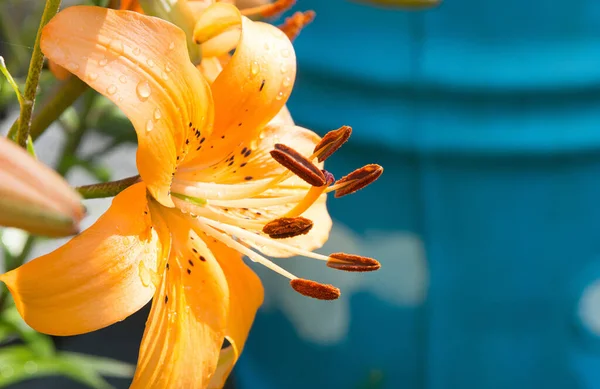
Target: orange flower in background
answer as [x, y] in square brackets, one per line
[224, 172]
[34, 197]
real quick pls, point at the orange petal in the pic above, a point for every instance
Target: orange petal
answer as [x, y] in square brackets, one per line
[245, 297]
[186, 327]
[131, 5]
[58, 71]
[95, 279]
[264, 63]
[141, 64]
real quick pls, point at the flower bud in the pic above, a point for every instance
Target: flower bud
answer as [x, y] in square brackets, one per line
[35, 198]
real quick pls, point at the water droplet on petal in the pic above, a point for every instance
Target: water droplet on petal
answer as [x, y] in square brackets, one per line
[254, 68]
[164, 76]
[287, 81]
[143, 90]
[136, 51]
[157, 114]
[111, 90]
[93, 76]
[149, 125]
[150, 63]
[171, 45]
[285, 53]
[116, 46]
[103, 61]
[279, 96]
[123, 78]
[168, 67]
[144, 274]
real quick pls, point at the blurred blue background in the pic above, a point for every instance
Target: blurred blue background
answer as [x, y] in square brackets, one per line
[486, 117]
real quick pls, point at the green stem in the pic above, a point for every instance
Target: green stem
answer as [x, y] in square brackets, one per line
[106, 189]
[33, 76]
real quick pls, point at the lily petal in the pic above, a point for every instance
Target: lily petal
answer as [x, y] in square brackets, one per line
[264, 62]
[94, 280]
[246, 295]
[187, 322]
[142, 64]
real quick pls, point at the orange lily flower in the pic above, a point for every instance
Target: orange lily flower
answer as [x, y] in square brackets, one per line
[219, 180]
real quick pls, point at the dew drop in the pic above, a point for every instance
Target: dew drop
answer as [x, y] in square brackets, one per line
[120, 99]
[171, 45]
[157, 114]
[144, 274]
[150, 63]
[149, 125]
[279, 96]
[168, 67]
[143, 90]
[164, 76]
[287, 81]
[93, 76]
[103, 62]
[123, 78]
[267, 46]
[72, 66]
[254, 68]
[285, 53]
[111, 90]
[136, 51]
[116, 46]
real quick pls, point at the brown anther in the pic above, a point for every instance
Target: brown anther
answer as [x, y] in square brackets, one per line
[287, 227]
[331, 142]
[351, 262]
[358, 179]
[295, 23]
[298, 164]
[315, 290]
[329, 178]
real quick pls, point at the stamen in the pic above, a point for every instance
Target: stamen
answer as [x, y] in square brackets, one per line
[331, 142]
[269, 10]
[358, 179]
[315, 290]
[351, 262]
[288, 227]
[298, 164]
[295, 23]
[224, 238]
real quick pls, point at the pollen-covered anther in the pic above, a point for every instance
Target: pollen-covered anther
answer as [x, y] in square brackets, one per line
[298, 164]
[331, 142]
[295, 23]
[288, 227]
[351, 262]
[357, 180]
[314, 289]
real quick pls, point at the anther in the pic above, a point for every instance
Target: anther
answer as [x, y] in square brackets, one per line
[351, 262]
[331, 142]
[358, 179]
[314, 289]
[287, 227]
[298, 164]
[269, 10]
[295, 23]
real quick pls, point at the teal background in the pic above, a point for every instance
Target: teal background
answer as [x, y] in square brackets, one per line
[486, 117]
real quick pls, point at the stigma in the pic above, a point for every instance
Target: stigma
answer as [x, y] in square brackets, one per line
[261, 209]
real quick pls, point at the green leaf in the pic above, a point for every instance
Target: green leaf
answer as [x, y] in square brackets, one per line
[106, 366]
[40, 344]
[30, 148]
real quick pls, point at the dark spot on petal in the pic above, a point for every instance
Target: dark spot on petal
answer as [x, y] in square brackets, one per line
[194, 250]
[190, 262]
[262, 85]
[189, 271]
[187, 141]
[239, 124]
[166, 299]
[247, 153]
[202, 258]
[242, 165]
[202, 140]
[167, 266]
[222, 136]
[248, 178]
[190, 124]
